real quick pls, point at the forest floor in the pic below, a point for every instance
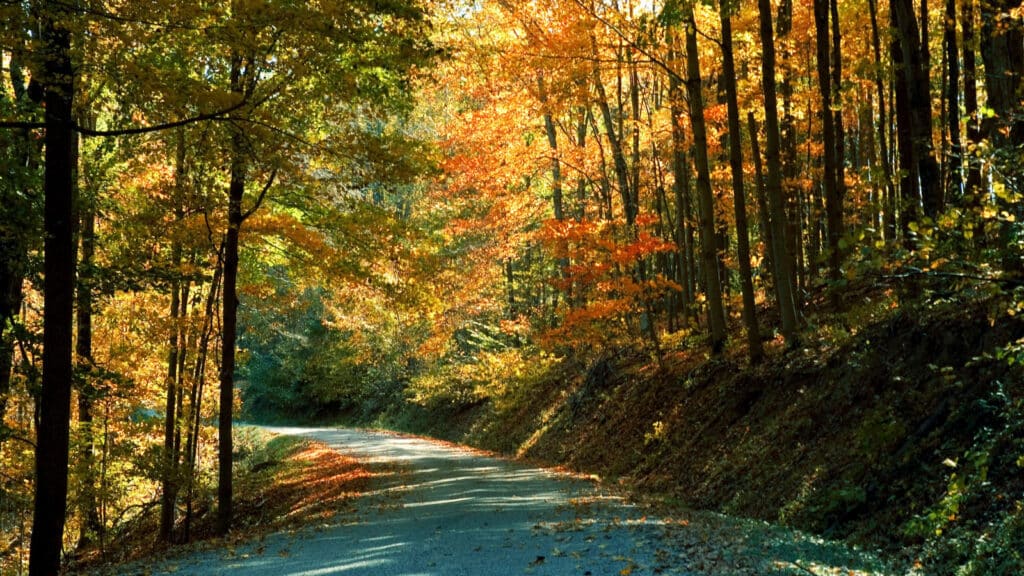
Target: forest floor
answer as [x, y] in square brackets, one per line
[896, 426]
[429, 508]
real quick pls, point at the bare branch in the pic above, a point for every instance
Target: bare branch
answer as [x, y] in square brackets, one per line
[259, 199]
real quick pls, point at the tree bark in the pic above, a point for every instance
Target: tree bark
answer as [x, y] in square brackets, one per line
[782, 258]
[168, 499]
[883, 141]
[754, 349]
[972, 187]
[915, 116]
[764, 217]
[58, 293]
[83, 349]
[833, 203]
[681, 192]
[615, 141]
[954, 186]
[705, 199]
[196, 393]
[169, 494]
[229, 323]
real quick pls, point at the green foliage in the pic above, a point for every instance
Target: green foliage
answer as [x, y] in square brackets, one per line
[957, 543]
[294, 365]
[879, 432]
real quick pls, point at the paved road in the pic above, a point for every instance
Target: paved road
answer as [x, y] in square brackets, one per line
[453, 512]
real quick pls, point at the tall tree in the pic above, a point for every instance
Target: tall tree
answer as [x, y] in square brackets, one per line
[90, 523]
[953, 164]
[754, 349]
[781, 256]
[705, 199]
[922, 186]
[889, 205]
[833, 201]
[58, 79]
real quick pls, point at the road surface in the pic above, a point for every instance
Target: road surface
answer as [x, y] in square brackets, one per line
[454, 512]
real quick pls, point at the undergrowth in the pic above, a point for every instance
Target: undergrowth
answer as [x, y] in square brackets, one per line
[281, 482]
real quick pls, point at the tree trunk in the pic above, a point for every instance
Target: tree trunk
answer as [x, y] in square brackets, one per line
[754, 350]
[783, 259]
[787, 148]
[681, 192]
[168, 500]
[169, 496]
[833, 204]
[556, 185]
[973, 183]
[883, 141]
[58, 293]
[764, 217]
[915, 115]
[229, 323]
[840, 130]
[614, 140]
[1002, 51]
[196, 393]
[954, 185]
[705, 199]
[83, 349]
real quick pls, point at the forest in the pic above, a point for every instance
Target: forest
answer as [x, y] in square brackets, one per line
[674, 224]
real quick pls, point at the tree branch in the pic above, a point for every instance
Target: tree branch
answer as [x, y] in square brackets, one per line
[159, 127]
[259, 199]
[90, 132]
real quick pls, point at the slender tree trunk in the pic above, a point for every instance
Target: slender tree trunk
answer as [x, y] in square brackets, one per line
[913, 81]
[58, 293]
[788, 149]
[556, 184]
[883, 141]
[954, 186]
[229, 325]
[196, 393]
[783, 260]
[754, 350]
[833, 204]
[581, 181]
[762, 199]
[618, 156]
[83, 349]
[705, 199]
[681, 193]
[168, 502]
[973, 183]
[838, 107]
[1002, 51]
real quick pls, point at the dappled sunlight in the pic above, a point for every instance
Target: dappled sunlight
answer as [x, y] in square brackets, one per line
[425, 509]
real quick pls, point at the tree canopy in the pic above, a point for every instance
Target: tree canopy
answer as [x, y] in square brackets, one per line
[336, 208]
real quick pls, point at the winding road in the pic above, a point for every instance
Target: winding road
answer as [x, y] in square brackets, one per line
[451, 512]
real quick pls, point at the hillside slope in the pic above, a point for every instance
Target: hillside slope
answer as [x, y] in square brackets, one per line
[907, 436]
